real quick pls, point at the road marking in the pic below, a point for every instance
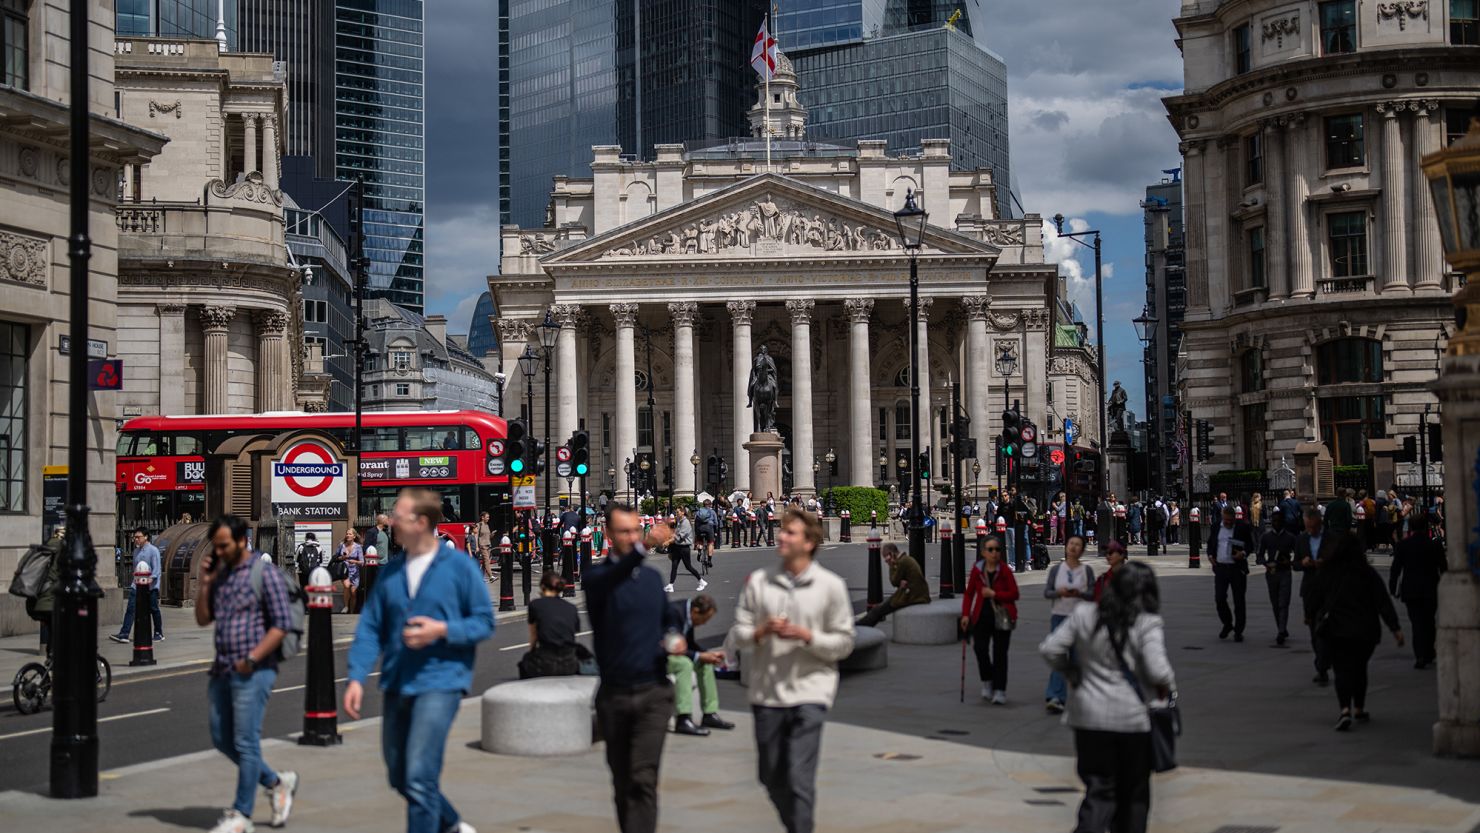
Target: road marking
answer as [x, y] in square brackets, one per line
[305, 685]
[526, 646]
[100, 720]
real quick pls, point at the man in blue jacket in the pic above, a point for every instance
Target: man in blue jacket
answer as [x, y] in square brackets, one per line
[425, 615]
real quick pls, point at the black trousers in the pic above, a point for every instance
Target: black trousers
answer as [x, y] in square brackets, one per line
[634, 724]
[1228, 577]
[991, 647]
[1116, 770]
[1349, 659]
[1421, 616]
[879, 613]
[788, 742]
[680, 554]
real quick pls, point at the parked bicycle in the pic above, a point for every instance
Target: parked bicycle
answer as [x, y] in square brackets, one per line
[32, 685]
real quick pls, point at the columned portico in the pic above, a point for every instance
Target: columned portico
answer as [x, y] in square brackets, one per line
[1394, 198]
[625, 319]
[860, 392]
[566, 419]
[215, 323]
[978, 355]
[803, 451]
[682, 314]
[741, 314]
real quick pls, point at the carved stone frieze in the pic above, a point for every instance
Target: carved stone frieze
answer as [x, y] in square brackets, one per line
[1280, 28]
[164, 107]
[511, 330]
[976, 307]
[23, 258]
[1002, 322]
[1006, 233]
[762, 227]
[250, 188]
[1037, 319]
[1403, 11]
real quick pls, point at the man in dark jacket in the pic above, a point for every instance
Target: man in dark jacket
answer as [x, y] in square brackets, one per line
[1290, 506]
[1418, 562]
[1228, 548]
[695, 669]
[908, 579]
[1276, 553]
[1104, 523]
[1310, 549]
[40, 608]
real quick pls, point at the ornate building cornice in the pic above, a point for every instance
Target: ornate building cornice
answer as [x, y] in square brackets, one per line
[511, 330]
[976, 307]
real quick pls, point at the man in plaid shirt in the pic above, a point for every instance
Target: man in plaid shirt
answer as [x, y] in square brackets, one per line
[249, 628]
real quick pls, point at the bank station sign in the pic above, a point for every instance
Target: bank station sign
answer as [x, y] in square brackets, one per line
[308, 481]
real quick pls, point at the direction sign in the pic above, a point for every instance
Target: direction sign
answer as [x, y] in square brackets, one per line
[523, 491]
[562, 454]
[1030, 449]
[562, 468]
[1029, 435]
[495, 448]
[1070, 431]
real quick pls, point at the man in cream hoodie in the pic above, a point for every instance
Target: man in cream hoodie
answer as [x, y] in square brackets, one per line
[795, 623]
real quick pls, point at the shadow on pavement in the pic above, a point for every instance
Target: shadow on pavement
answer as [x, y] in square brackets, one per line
[197, 818]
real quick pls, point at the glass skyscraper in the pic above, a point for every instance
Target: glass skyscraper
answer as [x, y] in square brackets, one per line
[481, 340]
[175, 18]
[300, 33]
[379, 136]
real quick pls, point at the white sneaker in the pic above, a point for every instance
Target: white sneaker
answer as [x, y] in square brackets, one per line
[702, 584]
[667, 588]
[233, 822]
[281, 797]
[999, 699]
[461, 827]
[988, 692]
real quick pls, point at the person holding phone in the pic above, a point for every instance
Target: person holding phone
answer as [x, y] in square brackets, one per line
[1229, 546]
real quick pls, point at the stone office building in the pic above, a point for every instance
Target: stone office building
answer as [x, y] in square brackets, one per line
[1317, 292]
[667, 276]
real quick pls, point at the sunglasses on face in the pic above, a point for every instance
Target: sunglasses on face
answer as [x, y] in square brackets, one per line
[993, 549]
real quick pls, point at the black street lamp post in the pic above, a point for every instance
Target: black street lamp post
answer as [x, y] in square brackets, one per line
[549, 331]
[1006, 366]
[1058, 222]
[831, 459]
[883, 470]
[1145, 324]
[910, 221]
[694, 461]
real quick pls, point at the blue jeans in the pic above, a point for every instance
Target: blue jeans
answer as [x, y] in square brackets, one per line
[126, 629]
[413, 734]
[1057, 688]
[237, 706]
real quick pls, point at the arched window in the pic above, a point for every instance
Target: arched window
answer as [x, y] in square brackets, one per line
[1346, 360]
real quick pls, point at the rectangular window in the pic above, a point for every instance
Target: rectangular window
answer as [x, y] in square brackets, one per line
[1241, 41]
[902, 421]
[1251, 371]
[401, 359]
[606, 431]
[1344, 145]
[309, 342]
[403, 389]
[644, 428]
[15, 30]
[1338, 27]
[15, 351]
[1254, 159]
[1347, 240]
[1456, 123]
[1347, 423]
[1256, 258]
[316, 312]
[883, 425]
[1464, 22]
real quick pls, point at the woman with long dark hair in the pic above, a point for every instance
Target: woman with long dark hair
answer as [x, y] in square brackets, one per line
[989, 613]
[1351, 605]
[1108, 651]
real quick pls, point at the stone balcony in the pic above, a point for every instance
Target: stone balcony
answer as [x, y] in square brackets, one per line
[241, 222]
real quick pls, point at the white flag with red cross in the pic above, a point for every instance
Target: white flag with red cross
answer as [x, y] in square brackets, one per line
[763, 53]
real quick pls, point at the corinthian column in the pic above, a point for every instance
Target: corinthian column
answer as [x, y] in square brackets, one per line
[741, 314]
[271, 324]
[920, 421]
[625, 379]
[860, 389]
[1428, 254]
[1300, 142]
[978, 360]
[1394, 225]
[567, 394]
[249, 142]
[214, 322]
[803, 451]
[270, 150]
[683, 313]
[1277, 275]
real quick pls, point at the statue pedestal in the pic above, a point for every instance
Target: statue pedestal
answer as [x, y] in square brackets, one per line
[1118, 465]
[765, 464]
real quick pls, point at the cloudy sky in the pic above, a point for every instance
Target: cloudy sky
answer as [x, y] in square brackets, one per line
[1088, 133]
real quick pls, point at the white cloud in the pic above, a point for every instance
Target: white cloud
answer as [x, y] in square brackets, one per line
[466, 247]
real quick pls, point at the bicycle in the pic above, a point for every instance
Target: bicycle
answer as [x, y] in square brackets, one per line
[32, 685]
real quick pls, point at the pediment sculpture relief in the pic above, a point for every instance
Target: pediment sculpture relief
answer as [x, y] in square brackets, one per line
[765, 221]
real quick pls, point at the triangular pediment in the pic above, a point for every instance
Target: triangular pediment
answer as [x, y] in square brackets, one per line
[765, 216]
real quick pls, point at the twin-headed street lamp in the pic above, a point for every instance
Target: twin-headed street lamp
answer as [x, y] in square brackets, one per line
[910, 220]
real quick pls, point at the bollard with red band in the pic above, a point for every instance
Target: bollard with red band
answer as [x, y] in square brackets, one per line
[1194, 539]
[568, 562]
[143, 616]
[1001, 525]
[845, 534]
[505, 574]
[320, 711]
[875, 571]
[981, 537]
[947, 570]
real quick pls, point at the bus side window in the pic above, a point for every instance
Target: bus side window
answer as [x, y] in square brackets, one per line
[423, 439]
[125, 444]
[471, 439]
[148, 445]
[187, 444]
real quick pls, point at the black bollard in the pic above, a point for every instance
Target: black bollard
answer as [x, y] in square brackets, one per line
[947, 565]
[320, 711]
[958, 553]
[585, 558]
[1194, 542]
[845, 535]
[143, 617]
[568, 563]
[505, 575]
[526, 560]
[875, 571]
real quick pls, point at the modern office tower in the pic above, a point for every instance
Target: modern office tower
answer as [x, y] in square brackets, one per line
[177, 18]
[481, 340]
[1166, 303]
[300, 34]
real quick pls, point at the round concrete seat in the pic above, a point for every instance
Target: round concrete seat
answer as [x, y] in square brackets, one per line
[870, 651]
[927, 624]
[539, 717]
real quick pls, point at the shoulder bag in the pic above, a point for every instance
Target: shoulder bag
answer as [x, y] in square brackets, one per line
[1166, 721]
[1001, 618]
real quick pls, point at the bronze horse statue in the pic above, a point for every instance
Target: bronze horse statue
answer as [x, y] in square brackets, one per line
[761, 393]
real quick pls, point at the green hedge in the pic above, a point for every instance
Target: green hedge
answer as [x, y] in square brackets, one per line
[860, 500]
[1353, 471]
[649, 505]
[1248, 474]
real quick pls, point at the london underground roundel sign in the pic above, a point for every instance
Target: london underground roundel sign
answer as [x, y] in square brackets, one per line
[309, 480]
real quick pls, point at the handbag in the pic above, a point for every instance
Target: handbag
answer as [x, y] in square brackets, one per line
[1001, 619]
[1166, 721]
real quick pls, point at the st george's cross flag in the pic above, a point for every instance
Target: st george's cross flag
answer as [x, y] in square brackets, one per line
[763, 54]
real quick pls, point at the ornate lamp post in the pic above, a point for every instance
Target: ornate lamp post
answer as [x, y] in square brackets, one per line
[694, 461]
[1058, 221]
[549, 331]
[831, 459]
[1454, 176]
[883, 470]
[1006, 365]
[1145, 324]
[910, 221]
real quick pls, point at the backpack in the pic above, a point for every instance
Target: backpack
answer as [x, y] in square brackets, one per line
[292, 642]
[31, 573]
[310, 555]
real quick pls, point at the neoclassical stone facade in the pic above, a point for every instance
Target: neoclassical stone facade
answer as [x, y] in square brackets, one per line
[666, 277]
[209, 305]
[1317, 290]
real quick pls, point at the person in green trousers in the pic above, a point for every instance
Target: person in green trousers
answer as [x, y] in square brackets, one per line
[697, 662]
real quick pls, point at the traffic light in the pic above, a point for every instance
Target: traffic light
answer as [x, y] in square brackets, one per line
[711, 469]
[925, 464]
[580, 452]
[1410, 450]
[1012, 433]
[1436, 443]
[534, 461]
[516, 447]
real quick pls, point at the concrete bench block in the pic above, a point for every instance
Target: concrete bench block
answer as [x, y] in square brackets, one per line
[927, 624]
[539, 717]
[870, 651]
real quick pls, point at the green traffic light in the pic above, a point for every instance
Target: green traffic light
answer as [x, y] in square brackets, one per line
[581, 469]
[517, 466]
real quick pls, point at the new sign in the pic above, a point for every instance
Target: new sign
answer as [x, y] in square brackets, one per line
[309, 481]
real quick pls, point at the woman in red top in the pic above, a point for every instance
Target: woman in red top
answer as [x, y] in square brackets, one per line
[1114, 556]
[990, 586]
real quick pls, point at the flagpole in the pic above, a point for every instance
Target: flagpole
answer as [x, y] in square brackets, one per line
[766, 53]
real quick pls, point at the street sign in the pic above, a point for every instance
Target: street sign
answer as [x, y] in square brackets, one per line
[1056, 456]
[562, 454]
[96, 348]
[495, 466]
[496, 448]
[1070, 431]
[1029, 435]
[523, 492]
[562, 468]
[1030, 449]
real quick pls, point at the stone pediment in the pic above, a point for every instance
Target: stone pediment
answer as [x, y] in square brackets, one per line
[767, 216]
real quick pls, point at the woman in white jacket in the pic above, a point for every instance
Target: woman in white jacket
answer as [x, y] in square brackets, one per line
[1098, 650]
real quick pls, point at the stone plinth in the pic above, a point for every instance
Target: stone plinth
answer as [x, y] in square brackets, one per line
[539, 717]
[765, 463]
[1457, 732]
[1118, 464]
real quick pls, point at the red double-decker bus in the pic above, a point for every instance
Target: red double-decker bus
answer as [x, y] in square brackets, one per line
[163, 462]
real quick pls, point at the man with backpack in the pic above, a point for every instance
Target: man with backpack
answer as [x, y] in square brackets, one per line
[310, 555]
[706, 525]
[250, 604]
[35, 580]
